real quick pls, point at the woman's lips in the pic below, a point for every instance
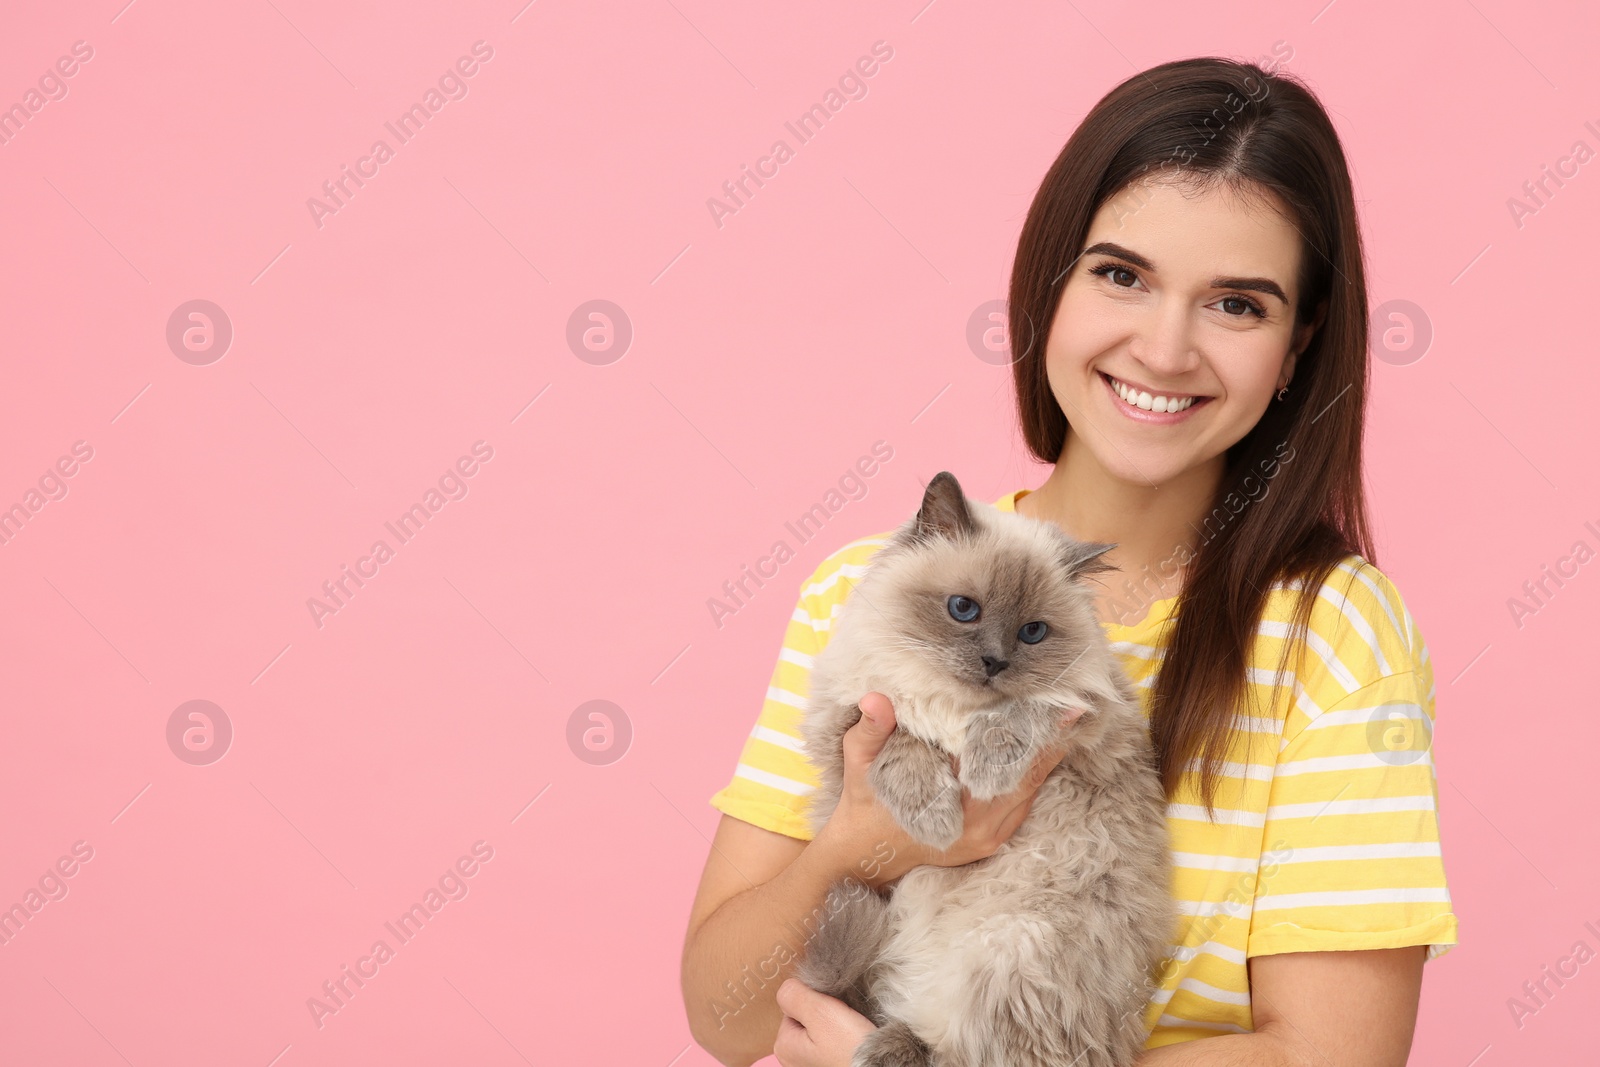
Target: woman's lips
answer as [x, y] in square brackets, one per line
[1138, 414]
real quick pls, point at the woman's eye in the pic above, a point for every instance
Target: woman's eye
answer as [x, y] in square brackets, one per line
[1238, 307]
[1119, 276]
[1032, 633]
[962, 609]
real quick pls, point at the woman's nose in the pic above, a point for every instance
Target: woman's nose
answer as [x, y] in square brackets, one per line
[1165, 342]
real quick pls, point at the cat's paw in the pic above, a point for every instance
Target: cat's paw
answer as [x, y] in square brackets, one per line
[933, 817]
[1000, 749]
[913, 780]
[892, 1045]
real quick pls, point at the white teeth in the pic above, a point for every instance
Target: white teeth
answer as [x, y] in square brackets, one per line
[1147, 402]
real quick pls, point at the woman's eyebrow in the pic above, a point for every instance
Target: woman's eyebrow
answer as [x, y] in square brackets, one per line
[1254, 285]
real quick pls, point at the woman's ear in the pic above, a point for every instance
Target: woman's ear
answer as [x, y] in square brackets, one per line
[1286, 374]
[1302, 339]
[1305, 331]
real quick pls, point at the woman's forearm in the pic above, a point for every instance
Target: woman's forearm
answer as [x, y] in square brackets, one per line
[735, 960]
[1262, 1048]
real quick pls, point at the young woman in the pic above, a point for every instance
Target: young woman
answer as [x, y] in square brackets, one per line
[1199, 385]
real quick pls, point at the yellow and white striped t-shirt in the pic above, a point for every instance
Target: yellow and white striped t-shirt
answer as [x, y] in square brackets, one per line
[1333, 844]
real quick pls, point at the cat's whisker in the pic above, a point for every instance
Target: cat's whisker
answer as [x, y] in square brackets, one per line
[1069, 666]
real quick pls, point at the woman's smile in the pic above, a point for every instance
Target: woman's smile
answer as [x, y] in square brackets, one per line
[1141, 405]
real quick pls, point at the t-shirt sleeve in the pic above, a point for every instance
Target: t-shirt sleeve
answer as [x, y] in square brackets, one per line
[773, 780]
[1350, 851]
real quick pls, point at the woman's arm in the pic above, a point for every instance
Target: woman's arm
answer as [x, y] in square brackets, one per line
[756, 886]
[761, 893]
[1353, 1008]
[757, 890]
[1346, 1008]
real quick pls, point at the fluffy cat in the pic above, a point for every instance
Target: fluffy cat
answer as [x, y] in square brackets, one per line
[976, 623]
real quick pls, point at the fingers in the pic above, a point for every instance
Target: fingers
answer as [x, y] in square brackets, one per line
[794, 997]
[816, 1029]
[1015, 816]
[1037, 772]
[792, 1047]
[808, 1007]
[1047, 760]
[1044, 765]
[864, 740]
[878, 707]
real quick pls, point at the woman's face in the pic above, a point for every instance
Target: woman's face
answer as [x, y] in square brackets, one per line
[1178, 295]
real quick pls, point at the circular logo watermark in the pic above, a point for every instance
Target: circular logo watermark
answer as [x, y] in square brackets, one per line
[1397, 738]
[989, 335]
[1401, 332]
[599, 732]
[599, 332]
[199, 732]
[1003, 740]
[199, 332]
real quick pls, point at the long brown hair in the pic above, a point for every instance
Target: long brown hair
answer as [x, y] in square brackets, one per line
[1215, 120]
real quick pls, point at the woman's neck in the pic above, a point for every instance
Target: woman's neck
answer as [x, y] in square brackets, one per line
[1154, 527]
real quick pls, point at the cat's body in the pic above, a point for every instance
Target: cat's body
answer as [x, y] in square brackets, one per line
[1043, 952]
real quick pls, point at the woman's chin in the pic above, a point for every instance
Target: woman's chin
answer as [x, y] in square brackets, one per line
[1145, 466]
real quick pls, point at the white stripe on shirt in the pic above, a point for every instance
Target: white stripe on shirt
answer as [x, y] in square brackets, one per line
[1366, 806]
[1317, 644]
[1393, 850]
[775, 737]
[1347, 897]
[776, 781]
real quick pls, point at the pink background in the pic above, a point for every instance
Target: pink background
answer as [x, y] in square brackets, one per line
[430, 312]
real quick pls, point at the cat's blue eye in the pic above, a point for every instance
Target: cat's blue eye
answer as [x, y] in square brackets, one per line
[962, 608]
[1032, 633]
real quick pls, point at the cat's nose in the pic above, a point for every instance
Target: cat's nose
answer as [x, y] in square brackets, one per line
[992, 666]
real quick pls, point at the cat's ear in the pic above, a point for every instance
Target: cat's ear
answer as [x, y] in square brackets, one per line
[1083, 559]
[944, 511]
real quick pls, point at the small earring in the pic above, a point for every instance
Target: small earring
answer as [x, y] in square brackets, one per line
[1283, 392]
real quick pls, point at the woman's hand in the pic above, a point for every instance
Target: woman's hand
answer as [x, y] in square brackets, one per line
[817, 1030]
[868, 839]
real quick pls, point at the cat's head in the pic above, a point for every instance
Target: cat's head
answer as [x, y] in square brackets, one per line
[994, 605]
